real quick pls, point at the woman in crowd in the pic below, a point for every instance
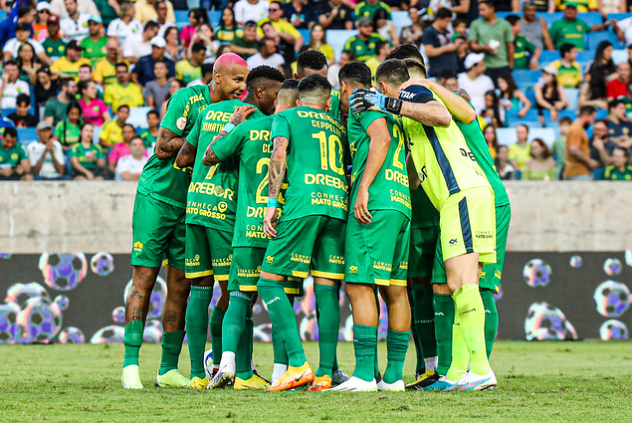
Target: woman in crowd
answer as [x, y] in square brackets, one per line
[599, 70]
[28, 63]
[196, 18]
[228, 30]
[174, 86]
[318, 42]
[45, 87]
[492, 141]
[206, 36]
[549, 94]
[86, 158]
[412, 34]
[68, 131]
[93, 110]
[511, 98]
[174, 51]
[492, 114]
[40, 26]
[126, 25]
[504, 168]
[541, 167]
[385, 27]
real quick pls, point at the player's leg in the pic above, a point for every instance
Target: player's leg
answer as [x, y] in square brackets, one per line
[222, 253]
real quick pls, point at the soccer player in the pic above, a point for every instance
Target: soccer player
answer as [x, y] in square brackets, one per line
[377, 236]
[250, 143]
[459, 190]
[314, 62]
[210, 217]
[310, 145]
[159, 233]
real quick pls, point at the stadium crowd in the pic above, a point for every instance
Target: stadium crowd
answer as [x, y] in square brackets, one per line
[85, 83]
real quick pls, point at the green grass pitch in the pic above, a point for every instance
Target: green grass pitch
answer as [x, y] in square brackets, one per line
[538, 382]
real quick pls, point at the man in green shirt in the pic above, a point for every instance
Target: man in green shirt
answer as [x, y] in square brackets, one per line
[526, 54]
[363, 44]
[620, 169]
[14, 161]
[368, 8]
[150, 135]
[247, 45]
[54, 46]
[55, 108]
[191, 69]
[571, 30]
[94, 44]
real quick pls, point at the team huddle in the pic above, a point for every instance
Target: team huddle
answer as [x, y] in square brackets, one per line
[386, 184]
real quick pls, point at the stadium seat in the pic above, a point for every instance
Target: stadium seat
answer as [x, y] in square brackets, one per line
[586, 55]
[26, 135]
[530, 94]
[619, 56]
[138, 117]
[594, 38]
[306, 35]
[568, 113]
[549, 56]
[511, 116]
[619, 16]
[572, 95]
[337, 38]
[7, 112]
[591, 18]
[215, 16]
[549, 18]
[400, 20]
[3, 15]
[601, 114]
[182, 17]
[527, 76]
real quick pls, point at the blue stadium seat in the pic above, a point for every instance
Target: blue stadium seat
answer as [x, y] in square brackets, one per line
[547, 116]
[586, 55]
[549, 18]
[511, 116]
[594, 38]
[601, 114]
[529, 123]
[3, 15]
[549, 56]
[7, 112]
[27, 135]
[306, 35]
[182, 17]
[138, 117]
[530, 94]
[527, 76]
[572, 95]
[619, 16]
[619, 56]
[591, 18]
[337, 38]
[215, 16]
[400, 20]
[568, 113]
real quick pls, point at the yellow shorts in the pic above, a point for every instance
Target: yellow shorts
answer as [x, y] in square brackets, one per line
[468, 225]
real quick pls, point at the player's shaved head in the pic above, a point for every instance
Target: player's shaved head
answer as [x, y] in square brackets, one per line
[310, 62]
[355, 73]
[314, 90]
[406, 51]
[390, 75]
[228, 60]
[288, 94]
[263, 85]
[229, 77]
[415, 69]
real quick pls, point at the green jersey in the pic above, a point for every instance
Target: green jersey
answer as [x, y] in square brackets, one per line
[389, 190]
[478, 146]
[334, 106]
[364, 50]
[94, 50]
[212, 196]
[148, 138]
[163, 179]
[250, 142]
[482, 33]
[67, 133]
[54, 49]
[364, 9]
[424, 214]
[571, 32]
[85, 155]
[611, 173]
[316, 153]
[13, 156]
[522, 46]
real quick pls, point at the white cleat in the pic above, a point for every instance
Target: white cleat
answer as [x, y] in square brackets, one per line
[355, 384]
[397, 386]
[131, 377]
[339, 377]
[224, 377]
[474, 382]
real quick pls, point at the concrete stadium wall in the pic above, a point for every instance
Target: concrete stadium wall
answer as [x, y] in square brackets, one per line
[97, 216]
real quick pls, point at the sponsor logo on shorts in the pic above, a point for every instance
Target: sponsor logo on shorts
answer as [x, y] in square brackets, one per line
[222, 206]
[453, 241]
[223, 262]
[353, 269]
[194, 262]
[301, 258]
[249, 273]
[484, 234]
[380, 265]
[403, 265]
[269, 259]
[337, 260]
[483, 274]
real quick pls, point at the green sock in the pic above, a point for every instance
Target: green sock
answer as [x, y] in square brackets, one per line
[280, 355]
[234, 322]
[243, 358]
[424, 319]
[328, 303]
[444, 320]
[396, 347]
[471, 316]
[491, 320]
[283, 317]
[217, 318]
[197, 327]
[376, 354]
[420, 367]
[364, 341]
[133, 340]
[171, 347]
[460, 354]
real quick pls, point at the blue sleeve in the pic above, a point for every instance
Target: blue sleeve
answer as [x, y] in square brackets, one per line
[172, 69]
[416, 94]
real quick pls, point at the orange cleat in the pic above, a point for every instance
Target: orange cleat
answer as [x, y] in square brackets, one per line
[293, 378]
[321, 383]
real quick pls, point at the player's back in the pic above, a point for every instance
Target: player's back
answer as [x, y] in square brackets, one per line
[315, 163]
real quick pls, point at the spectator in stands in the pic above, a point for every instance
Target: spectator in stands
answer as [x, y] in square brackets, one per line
[105, 70]
[620, 169]
[157, 89]
[368, 8]
[126, 25]
[535, 28]
[40, 28]
[58, 7]
[68, 66]
[55, 108]
[599, 71]
[318, 42]
[363, 44]
[385, 27]
[54, 45]
[68, 131]
[85, 74]
[109, 10]
[618, 87]
[334, 14]
[207, 77]
[11, 86]
[550, 94]
[140, 45]
[569, 73]
[578, 162]
[267, 56]
[46, 156]
[572, 30]
[247, 45]
[94, 44]
[332, 72]
[112, 132]
[150, 135]
[144, 70]
[474, 80]
[174, 51]
[14, 162]
[300, 14]
[191, 69]
[206, 36]
[93, 110]
[123, 91]
[130, 167]
[228, 30]
[493, 37]
[383, 49]
[27, 63]
[583, 6]
[45, 87]
[520, 152]
[174, 85]
[466, 10]
[511, 98]
[74, 27]
[492, 140]
[284, 29]
[493, 114]
[161, 17]
[145, 11]
[86, 158]
[601, 147]
[21, 117]
[251, 10]
[412, 34]
[22, 34]
[196, 18]
[284, 47]
[619, 128]
[541, 167]
[26, 14]
[559, 146]
[122, 149]
[448, 80]
[440, 51]
[526, 54]
[505, 169]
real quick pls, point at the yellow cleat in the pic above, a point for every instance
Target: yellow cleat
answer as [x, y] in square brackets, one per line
[171, 379]
[131, 377]
[321, 383]
[197, 383]
[255, 383]
[293, 378]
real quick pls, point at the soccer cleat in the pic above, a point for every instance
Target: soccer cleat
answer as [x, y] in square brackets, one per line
[423, 380]
[294, 377]
[197, 383]
[321, 383]
[355, 384]
[171, 379]
[442, 385]
[223, 378]
[255, 383]
[474, 382]
[339, 377]
[254, 372]
[397, 386]
[131, 377]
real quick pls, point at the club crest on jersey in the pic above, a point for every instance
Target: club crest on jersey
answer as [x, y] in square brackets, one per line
[181, 123]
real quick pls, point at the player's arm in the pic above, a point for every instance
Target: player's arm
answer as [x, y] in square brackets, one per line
[168, 143]
[240, 115]
[276, 174]
[458, 107]
[186, 155]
